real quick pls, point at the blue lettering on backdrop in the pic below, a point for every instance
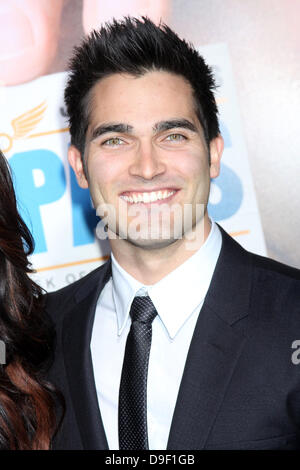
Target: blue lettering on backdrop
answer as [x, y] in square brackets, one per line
[231, 189]
[225, 134]
[30, 196]
[229, 184]
[84, 219]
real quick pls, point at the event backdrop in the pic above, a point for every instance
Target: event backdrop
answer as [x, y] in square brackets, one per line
[34, 133]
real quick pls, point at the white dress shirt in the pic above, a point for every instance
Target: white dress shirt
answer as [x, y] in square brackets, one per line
[178, 298]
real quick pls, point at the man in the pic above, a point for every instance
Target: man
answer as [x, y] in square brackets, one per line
[182, 340]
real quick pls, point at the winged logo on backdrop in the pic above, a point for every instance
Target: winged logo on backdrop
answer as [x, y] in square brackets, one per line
[23, 125]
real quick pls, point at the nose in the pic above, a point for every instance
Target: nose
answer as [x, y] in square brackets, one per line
[147, 162]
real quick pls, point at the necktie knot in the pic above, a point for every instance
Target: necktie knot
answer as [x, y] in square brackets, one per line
[143, 310]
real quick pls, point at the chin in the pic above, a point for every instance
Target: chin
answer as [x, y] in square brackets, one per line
[151, 243]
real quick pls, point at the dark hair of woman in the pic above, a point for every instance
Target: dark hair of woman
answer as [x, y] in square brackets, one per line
[27, 400]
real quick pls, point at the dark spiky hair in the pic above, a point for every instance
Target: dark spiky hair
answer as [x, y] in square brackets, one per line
[135, 47]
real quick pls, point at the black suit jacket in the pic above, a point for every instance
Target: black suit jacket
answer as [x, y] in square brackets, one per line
[240, 388]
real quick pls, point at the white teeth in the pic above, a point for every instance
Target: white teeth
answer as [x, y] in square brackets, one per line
[153, 196]
[148, 197]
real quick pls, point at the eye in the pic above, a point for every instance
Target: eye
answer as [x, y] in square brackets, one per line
[113, 142]
[176, 137]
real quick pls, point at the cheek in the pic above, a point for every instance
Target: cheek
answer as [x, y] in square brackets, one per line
[102, 174]
[193, 166]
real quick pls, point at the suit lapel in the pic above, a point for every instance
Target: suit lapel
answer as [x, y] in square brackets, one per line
[212, 357]
[215, 349]
[77, 331]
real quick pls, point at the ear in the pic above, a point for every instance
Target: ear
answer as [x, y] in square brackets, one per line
[75, 160]
[216, 149]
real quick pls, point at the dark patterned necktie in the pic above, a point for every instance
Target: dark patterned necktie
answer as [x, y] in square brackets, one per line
[133, 433]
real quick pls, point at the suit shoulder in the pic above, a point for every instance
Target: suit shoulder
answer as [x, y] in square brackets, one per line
[274, 268]
[56, 300]
[277, 288]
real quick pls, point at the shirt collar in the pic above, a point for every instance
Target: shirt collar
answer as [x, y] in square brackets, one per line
[175, 296]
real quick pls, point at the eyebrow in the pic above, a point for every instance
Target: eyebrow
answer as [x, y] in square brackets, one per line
[173, 123]
[117, 128]
[160, 126]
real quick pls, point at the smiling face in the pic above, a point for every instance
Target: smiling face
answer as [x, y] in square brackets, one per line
[146, 152]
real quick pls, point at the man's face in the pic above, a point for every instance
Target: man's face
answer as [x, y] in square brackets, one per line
[145, 151]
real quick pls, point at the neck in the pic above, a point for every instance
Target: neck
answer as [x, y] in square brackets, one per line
[149, 266]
